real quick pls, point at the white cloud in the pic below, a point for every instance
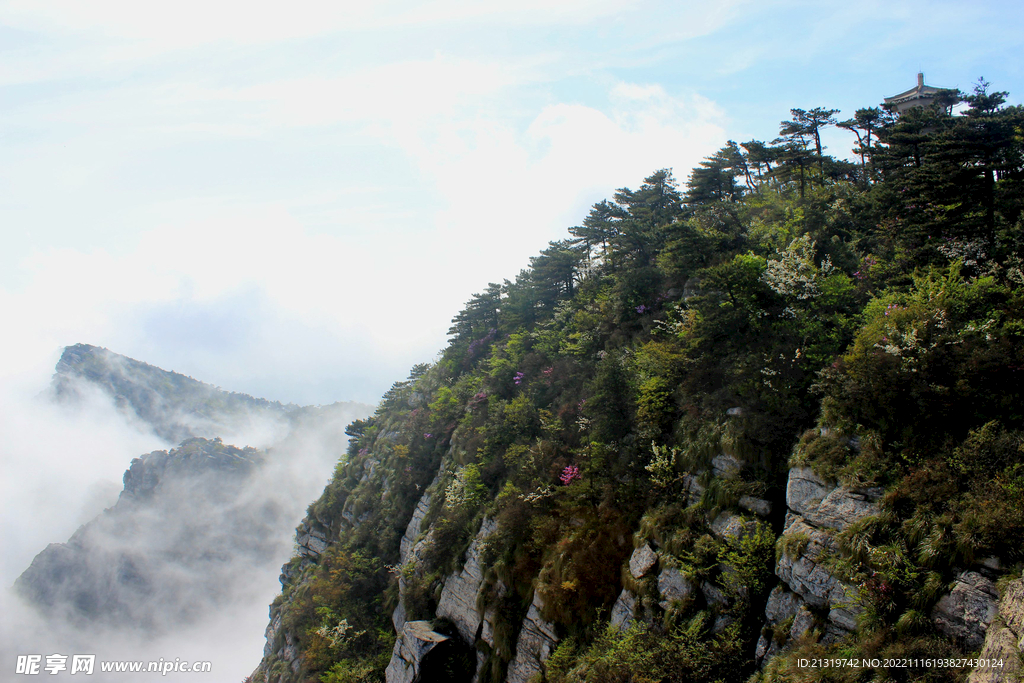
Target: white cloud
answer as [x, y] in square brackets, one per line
[388, 286]
[188, 23]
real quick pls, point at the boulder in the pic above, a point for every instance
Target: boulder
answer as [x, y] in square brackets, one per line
[673, 586]
[965, 612]
[412, 645]
[642, 560]
[722, 622]
[537, 640]
[765, 649]
[713, 595]
[782, 604]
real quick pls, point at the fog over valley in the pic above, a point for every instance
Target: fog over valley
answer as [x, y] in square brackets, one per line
[182, 561]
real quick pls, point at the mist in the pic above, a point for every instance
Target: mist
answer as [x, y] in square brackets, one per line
[209, 549]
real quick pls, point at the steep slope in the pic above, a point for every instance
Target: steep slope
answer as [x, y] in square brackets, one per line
[715, 436]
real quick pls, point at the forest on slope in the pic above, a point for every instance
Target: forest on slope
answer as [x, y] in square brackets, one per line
[668, 373]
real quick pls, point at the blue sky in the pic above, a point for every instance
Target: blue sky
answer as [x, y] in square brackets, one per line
[295, 202]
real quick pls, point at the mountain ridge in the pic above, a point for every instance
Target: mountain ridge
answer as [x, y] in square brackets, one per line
[774, 418]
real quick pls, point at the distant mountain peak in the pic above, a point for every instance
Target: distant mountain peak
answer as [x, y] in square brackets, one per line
[175, 406]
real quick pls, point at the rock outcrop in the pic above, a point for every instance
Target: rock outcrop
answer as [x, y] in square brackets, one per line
[537, 640]
[674, 587]
[412, 530]
[412, 544]
[642, 561]
[732, 527]
[1004, 640]
[416, 639]
[827, 506]
[312, 539]
[459, 596]
[966, 612]
[624, 609]
[816, 511]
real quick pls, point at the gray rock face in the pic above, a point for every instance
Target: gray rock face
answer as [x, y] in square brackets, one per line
[399, 616]
[694, 489]
[623, 610]
[824, 505]
[673, 586]
[1000, 644]
[713, 595]
[537, 640]
[459, 596]
[487, 626]
[759, 506]
[782, 605]
[816, 510]
[805, 574]
[641, 561]
[415, 641]
[803, 622]
[409, 549]
[1004, 640]
[412, 530]
[968, 609]
[732, 527]
[491, 616]
[1011, 607]
[312, 539]
[273, 628]
[726, 466]
[291, 653]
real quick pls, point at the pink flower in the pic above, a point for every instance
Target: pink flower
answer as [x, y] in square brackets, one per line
[569, 474]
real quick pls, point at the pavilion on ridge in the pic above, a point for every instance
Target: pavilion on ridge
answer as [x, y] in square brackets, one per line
[920, 96]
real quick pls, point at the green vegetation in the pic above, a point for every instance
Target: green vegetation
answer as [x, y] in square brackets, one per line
[874, 308]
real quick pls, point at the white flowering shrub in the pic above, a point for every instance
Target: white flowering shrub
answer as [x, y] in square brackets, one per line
[794, 273]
